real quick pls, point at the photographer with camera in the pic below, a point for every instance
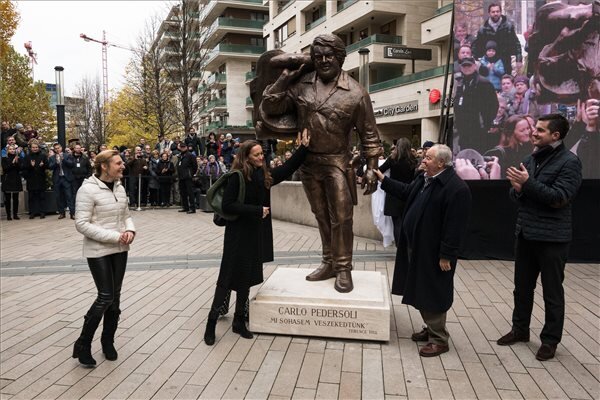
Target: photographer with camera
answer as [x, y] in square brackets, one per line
[475, 107]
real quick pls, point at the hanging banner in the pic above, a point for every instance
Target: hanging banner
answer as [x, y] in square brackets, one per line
[515, 61]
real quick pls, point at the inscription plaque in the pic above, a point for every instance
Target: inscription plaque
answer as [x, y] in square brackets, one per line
[288, 304]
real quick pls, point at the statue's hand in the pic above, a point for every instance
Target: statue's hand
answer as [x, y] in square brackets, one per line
[290, 75]
[369, 181]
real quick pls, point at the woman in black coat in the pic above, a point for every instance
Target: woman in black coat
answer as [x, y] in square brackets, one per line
[164, 170]
[11, 182]
[212, 145]
[249, 239]
[401, 164]
[35, 166]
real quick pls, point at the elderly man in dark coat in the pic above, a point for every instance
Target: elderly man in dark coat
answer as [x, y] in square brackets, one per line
[435, 218]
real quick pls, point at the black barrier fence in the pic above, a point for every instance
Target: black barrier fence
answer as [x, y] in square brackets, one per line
[144, 191]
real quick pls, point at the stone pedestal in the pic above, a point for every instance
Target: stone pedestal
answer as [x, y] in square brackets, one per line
[289, 304]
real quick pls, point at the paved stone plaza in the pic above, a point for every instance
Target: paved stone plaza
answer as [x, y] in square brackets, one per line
[46, 289]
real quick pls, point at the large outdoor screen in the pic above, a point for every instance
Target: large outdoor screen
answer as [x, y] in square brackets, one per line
[513, 62]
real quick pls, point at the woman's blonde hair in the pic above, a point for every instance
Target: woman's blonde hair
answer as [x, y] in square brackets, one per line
[103, 158]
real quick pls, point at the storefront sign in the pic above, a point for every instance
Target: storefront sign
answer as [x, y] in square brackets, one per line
[397, 109]
[406, 53]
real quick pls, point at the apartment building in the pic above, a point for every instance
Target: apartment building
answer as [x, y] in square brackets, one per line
[234, 33]
[407, 43]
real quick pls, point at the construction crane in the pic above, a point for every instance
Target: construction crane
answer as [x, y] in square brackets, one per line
[32, 57]
[105, 44]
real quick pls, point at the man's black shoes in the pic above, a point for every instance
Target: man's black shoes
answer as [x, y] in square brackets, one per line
[513, 337]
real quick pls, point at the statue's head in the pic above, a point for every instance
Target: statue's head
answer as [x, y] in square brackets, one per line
[328, 53]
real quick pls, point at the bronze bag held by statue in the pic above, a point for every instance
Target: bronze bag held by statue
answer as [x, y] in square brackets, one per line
[215, 193]
[268, 68]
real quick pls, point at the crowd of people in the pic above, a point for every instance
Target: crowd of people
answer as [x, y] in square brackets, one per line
[149, 178]
[498, 99]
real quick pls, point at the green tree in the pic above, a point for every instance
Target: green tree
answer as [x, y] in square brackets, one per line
[126, 126]
[20, 99]
[10, 20]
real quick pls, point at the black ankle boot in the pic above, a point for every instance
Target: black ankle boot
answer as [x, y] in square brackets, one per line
[239, 326]
[83, 351]
[83, 346]
[209, 333]
[111, 321]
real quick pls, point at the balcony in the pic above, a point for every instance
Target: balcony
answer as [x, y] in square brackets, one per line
[215, 105]
[223, 52]
[215, 8]
[316, 22]
[406, 79]
[444, 9]
[342, 6]
[437, 28]
[217, 80]
[239, 23]
[249, 102]
[377, 38]
[284, 5]
[250, 75]
[225, 25]
[213, 126]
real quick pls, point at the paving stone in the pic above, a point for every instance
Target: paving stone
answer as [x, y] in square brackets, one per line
[393, 376]
[304, 394]
[350, 385]
[332, 366]
[414, 375]
[460, 384]
[239, 385]
[352, 359]
[372, 374]
[220, 381]
[261, 386]
[310, 371]
[439, 389]
[290, 368]
[482, 384]
[327, 391]
[527, 386]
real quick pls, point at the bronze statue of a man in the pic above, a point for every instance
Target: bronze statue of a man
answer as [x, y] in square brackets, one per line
[330, 104]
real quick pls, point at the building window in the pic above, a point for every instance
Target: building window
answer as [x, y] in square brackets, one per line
[285, 31]
[254, 41]
[363, 34]
[388, 29]
[254, 16]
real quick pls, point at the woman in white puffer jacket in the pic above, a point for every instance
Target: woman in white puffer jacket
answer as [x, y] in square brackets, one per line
[102, 216]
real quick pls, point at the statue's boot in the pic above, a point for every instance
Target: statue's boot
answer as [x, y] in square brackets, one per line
[324, 272]
[343, 281]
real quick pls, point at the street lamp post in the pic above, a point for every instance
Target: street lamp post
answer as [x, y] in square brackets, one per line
[60, 106]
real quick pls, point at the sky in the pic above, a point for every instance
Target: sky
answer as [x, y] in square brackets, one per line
[53, 27]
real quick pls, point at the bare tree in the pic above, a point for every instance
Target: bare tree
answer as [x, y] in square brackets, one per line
[91, 129]
[188, 64]
[150, 82]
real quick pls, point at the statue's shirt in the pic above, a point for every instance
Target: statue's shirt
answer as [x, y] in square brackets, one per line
[330, 117]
